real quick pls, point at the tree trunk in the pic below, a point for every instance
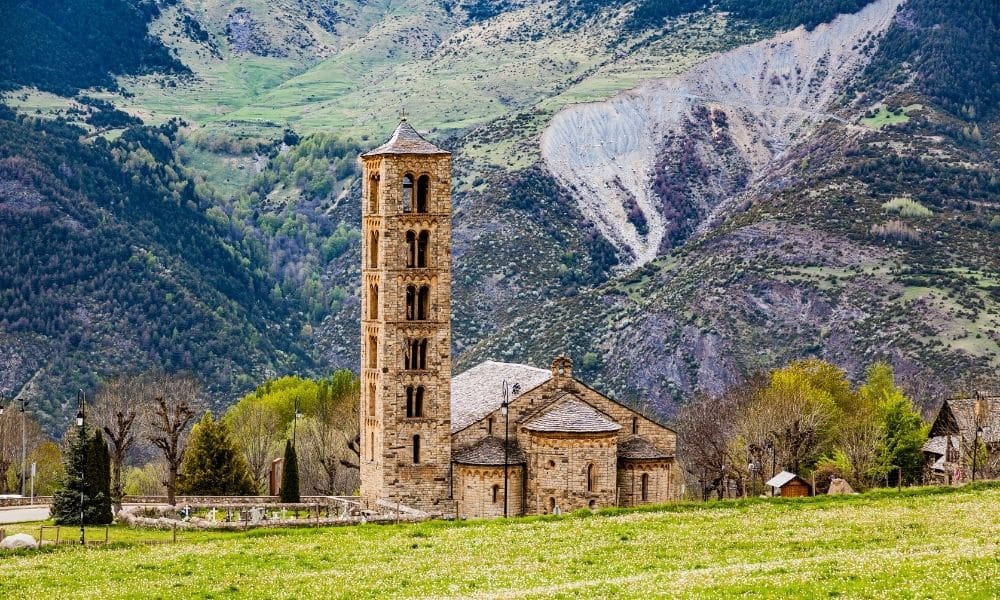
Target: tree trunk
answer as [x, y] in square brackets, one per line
[171, 484]
[116, 481]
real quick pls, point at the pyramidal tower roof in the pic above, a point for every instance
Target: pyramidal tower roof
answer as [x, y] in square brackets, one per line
[406, 140]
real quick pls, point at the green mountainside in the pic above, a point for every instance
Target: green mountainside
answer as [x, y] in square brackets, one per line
[220, 233]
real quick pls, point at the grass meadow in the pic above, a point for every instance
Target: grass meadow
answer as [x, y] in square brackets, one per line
[920, 543]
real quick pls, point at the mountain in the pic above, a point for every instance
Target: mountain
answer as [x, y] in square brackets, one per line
[674, 193]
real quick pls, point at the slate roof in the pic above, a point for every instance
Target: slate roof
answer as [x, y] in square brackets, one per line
[479, 391]
[964, 411]
[571, 415]
[406, 140]
[637, 448]
[489, 451]
[936, 444]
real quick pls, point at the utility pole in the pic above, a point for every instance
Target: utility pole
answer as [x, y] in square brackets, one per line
[24, 457]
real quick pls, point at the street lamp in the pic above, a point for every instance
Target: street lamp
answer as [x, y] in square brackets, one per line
[505, 410]
[769, 444]
[24, 446]
[975, 449]
[81, 418]
[295, 419]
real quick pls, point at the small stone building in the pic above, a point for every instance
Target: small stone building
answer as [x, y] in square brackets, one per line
[953, 434]
[439, 445]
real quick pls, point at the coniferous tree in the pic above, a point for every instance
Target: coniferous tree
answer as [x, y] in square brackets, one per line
[213, 465]
[290, 475]
[99, 479]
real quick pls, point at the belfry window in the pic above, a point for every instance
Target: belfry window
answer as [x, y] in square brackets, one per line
[373, 194]
[418, 302]
[407, 193]
[373, 250]
[373, 302]
[423, 241]
[415, 355]
[372, 352]
[371, 400]
[414, 402]
[416, 449]
[644, 487]
[423, 190]
[411, 249]
[591, 477]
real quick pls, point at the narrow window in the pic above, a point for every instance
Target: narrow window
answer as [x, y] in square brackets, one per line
[411, 302]
[422, 355]
[407, 193]
[418, 402]
[411, 250]
[371, 448]
[371, 400]
[416, 449]
[373, 302]
[635, 425]
[644, 487]
[372, 352]
[373, 194]
[590, 477]
[409, 402]
[496, 493]
[489, 426]
[423, 303]
[423, 241]
[373, 250]
[423, 188]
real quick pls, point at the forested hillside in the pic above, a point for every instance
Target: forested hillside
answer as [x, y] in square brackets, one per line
[839, 204]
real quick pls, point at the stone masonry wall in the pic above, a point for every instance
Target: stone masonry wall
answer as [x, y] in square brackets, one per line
[474, 487]
[558, 466]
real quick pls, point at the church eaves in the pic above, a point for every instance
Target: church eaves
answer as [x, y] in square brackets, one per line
[405, 140]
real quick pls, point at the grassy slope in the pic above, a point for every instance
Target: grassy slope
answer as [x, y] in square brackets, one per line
[880, 545]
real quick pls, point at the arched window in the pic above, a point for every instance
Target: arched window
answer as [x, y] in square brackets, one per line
[411, 249]
[644, 487]
[635, 425]
[411, 302]
[423, 303]
[373, 250]
[373, 302]
[416, 449]
[372, 352]
[591, 477]
[423, 190]
[371, 400]
[496, 493]
[423, 242]
[414, 402]
[407, 193]
[373, 194]
[415, 355]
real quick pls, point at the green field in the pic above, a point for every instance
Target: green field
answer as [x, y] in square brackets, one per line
[938, 543]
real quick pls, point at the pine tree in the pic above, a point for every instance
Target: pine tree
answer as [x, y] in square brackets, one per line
[213, 465]
[290, 475]
[66, 500]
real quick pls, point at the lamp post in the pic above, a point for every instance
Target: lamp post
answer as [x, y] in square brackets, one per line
[769, 444]
[975, 449]
[505, 410]
[3, 449]
[24, 446]
[81, 419]
[295, 419]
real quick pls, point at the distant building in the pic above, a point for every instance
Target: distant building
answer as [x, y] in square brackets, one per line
[959, 422]
[436, 444]
[789, 485]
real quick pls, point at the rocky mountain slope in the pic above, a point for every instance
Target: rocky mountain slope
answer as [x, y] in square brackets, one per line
[673, 193]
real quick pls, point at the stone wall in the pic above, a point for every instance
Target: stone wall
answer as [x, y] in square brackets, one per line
[660, 486]
[474, 491]
[558, 471]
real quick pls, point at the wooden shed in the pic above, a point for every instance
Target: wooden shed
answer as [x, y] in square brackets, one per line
[790, 485]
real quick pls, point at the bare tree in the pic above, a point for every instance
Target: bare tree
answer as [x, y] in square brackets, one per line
[175, 402]
[329, 446]
[256, 427]
[116, 407]
[13, 426]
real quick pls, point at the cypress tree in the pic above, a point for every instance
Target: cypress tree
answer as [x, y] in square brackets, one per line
[213, 465]
[290, 475]
[99, 480]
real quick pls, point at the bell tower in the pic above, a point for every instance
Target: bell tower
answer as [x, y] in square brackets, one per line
[406, 324]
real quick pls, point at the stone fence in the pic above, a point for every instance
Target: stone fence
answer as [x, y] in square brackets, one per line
[26, 501]
[200, 500]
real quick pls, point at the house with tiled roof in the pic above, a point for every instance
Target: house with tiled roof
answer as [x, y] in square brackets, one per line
[500, 438]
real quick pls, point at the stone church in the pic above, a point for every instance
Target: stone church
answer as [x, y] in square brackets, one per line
[447, 446]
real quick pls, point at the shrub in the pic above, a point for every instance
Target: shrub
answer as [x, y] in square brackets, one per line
[907, 207]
